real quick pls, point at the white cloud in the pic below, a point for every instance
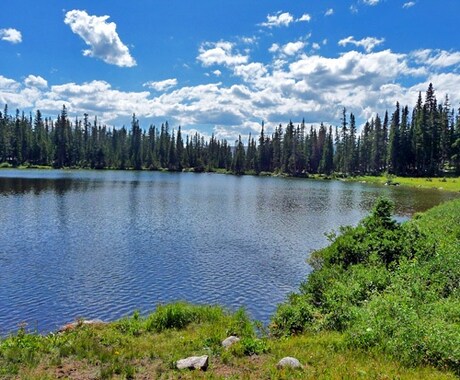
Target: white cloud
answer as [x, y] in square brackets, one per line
[161, 85]
[409, 4]
[291, 87]
[368, 43]
[101, 36]
[15, 95]
[35, 81]
[371, 2]
[220, 53]
[249, 40]
[329, 12]
[11, 35]
[292, 48]
[305, 17]
[250, 72]
[274, 48]
[436, 58]
[7, 84]
[278, 19]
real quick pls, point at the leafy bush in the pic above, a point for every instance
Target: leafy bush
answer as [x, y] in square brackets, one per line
[294, 316]
[390, 287]
[179, 315]
[241, 325]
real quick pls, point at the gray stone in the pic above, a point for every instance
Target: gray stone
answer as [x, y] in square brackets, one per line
[193, 362]
[230, 340]
[289, 362]
[81, 322]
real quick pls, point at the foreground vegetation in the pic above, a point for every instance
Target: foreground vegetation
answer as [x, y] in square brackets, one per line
[383, 302]
[388, 288]
[148, 347]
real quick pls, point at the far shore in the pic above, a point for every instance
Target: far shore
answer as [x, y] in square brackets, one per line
[447, 183]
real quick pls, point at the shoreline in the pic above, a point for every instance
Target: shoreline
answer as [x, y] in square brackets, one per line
[448, 184]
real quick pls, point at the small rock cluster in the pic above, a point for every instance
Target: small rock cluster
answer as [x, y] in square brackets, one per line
[202, 362]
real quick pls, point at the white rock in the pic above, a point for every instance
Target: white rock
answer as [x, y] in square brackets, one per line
[289, 362]
[193, 362]
[230, 340]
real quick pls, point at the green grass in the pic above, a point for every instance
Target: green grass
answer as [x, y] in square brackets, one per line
[447, 184]
[131, 348]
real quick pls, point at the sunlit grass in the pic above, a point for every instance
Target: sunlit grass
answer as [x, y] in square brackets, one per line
[441, 183]
[133, 347]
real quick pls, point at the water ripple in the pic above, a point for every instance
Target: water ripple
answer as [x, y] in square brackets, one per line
[103, 244]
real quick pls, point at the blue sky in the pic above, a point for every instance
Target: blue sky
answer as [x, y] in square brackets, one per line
[224, 66]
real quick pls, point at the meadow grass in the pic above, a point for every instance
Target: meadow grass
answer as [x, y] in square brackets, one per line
[440, 183]
[147, 348]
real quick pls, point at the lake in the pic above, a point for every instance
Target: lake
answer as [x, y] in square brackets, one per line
[101, 244]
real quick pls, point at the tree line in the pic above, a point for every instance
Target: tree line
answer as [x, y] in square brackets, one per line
[424, 142]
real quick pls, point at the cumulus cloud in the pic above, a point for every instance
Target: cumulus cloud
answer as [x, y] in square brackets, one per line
[437, 58]
[15, 95]
[101, 37]
[162, 85]
[291, 87]
[329, 12]
[292, 48]
[305, 17]
[220, 53]
[11, 35]
[278, 19]
[284, 19]
[250, 72]
[35, 81]
[368, 43]
[409, 4]
[7, 84]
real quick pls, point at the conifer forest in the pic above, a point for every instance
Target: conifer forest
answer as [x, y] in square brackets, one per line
[422, 141]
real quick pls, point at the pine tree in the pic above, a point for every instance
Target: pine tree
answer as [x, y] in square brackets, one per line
[326, 165]
[394, 147]
[239, 157]
[136, 144]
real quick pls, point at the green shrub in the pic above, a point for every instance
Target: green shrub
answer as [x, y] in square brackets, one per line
[392, 288]
[241, 325]
[293, 317]
[179, 315]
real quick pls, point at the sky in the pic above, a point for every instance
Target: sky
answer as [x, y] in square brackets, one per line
[224, 67]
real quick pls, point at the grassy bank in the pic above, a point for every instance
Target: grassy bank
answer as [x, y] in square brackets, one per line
[382, 303]
[147, 348]
[447, 184]
[388, 288]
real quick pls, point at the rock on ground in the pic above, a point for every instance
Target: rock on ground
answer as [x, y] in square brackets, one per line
[193, 362]
[289, 362]
[74, 325]
[230, 340]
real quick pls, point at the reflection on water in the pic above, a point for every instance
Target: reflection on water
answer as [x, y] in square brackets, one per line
[102, 244]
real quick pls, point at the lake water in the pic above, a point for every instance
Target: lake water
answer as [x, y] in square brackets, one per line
[101, 244]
